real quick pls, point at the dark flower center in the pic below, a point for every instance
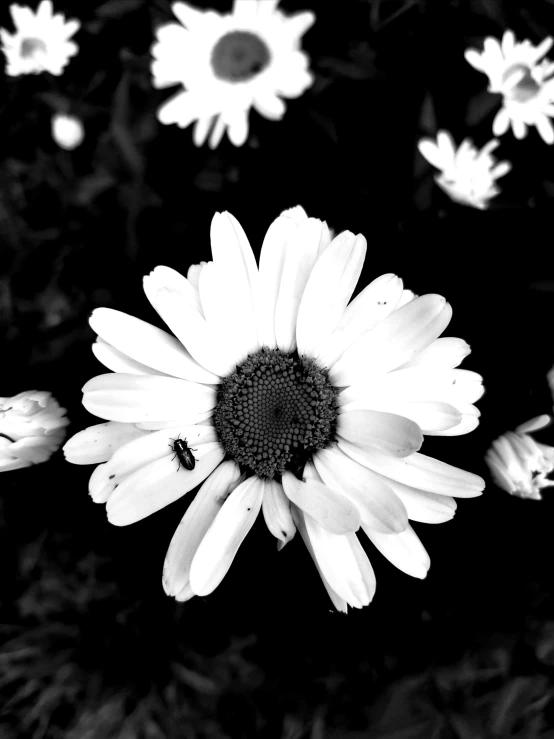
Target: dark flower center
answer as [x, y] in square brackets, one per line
[239, 56]
[275, 411]
[30, 46]
[525, 89]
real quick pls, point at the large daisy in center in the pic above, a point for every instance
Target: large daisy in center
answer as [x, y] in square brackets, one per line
[279, 393]
[228, 64]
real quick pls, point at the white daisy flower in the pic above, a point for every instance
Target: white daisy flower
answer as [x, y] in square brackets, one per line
[280, 394]
[467, 175]
[40, 42]
[228, 64]
[519, 464]
[32, 428]
[67, 131]
[526, 85]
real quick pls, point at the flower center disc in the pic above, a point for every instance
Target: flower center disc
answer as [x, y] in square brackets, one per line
[526, 89]
[239, 56]
[30, 46]
[275, 411]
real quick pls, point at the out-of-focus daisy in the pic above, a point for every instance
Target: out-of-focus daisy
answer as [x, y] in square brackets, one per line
[519, 464]
[32, 428]
[467, 174]
[525, 83]
[67, 131]
[291, 399]
[40, 42]
[228, 64]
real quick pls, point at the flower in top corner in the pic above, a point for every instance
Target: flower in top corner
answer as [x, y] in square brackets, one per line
[467, 175]
[40, 42]
[277, 393]
[519, 464]
[517, 71]
[228, 64]
[32, 428]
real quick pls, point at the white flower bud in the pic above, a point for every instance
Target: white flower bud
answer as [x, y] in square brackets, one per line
[67, 131]
[32, 428]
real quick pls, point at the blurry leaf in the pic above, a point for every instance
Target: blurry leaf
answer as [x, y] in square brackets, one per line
[117, 8]
[54, 100]
[194, 680]
[361, 64]
[480, 107]
[466, 727]
[544, 648]
[427, 118]
[326, 125]
[91, 186]
[513, 699]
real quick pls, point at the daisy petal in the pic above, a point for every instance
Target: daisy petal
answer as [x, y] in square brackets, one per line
[501, 122]
[277, 514]
[384, 432]
[159, 483]
[227, 532]
[98, 443]
[332, 510]
[379, 507]
[447, 351]
[116, 361]
[403, 550]
[328, 290]
[195, 523]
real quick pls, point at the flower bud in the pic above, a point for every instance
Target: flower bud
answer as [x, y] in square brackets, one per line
[67, 131]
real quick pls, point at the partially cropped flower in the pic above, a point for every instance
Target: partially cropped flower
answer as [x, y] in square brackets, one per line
[279, 393]
[467, 175]
[40, 42]
[67, 131]
[519, 464]
[32, 428]
[525, 83]
[228, 64]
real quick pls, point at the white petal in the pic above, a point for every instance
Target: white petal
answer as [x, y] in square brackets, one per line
[447, 351]
[276, 508]
[404, 550]
[116, 361]
[394, 341]
[377, 503]
[384, 432]
[420, 471]
[431, 152]
[328, 290]
[98, 443]
[158, 484]
[301, 254]
[237, 126]
[376, 301]
[422, 506]
[138, 398]
[148, 345]
[544, 127]
[501, 122]
[331, 509]
[269, 105]
[227, 532]
[195, 523]
[340, 566]
[474, 58]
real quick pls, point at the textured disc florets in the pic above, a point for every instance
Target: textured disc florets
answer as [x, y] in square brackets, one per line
[239, 56]
[275, 411]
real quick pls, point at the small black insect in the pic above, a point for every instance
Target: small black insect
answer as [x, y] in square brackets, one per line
[184, 453]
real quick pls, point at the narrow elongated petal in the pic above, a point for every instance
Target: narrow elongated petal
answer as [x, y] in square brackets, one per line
[301, 254]
[224, 537]
[148, 345]
[423, 506]
[379, 507]
[195, 523]
[404, 550]
[116, 361]
[384, 432]
[98, 443]
[276, 509]
[376, 301]
[299, 519]
[447, 351]
[340, 566]
[328, 290]
[165, 277]
[158, 484]
[137, 398]
[332, 510]
[394, 341]
[430, 416]
[419, 471]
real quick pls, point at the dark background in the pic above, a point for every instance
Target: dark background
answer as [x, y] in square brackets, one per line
[91, 646]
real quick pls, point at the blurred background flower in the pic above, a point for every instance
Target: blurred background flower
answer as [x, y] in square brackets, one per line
[32, 428]
[67, 131]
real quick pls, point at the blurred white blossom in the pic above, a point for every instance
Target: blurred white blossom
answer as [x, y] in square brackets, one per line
[67, 131]
[526, 85]
[467, 174]
[519, 464]
[228, 64]
[32, 428]
[40, 42]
